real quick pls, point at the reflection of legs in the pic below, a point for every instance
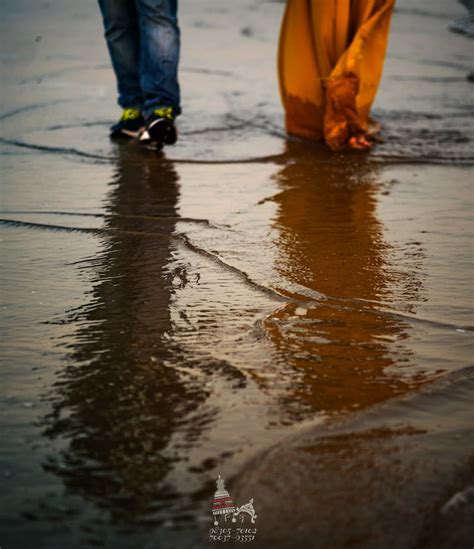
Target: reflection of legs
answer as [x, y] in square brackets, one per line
[122, 35]
[159, 54]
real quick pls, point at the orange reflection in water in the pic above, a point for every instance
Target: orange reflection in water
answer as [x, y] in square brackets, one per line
[346, 350]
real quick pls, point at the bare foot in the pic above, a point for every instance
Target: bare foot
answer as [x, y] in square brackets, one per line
[360, 143]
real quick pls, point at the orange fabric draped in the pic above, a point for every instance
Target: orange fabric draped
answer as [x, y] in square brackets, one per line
[330, 62]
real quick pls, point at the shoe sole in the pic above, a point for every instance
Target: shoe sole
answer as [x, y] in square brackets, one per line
[127, 134]
[162, 131]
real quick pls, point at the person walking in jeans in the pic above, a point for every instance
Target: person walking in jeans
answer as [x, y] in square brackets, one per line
[143, 40]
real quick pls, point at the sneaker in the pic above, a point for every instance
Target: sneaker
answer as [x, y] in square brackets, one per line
[131, 123]
[160, 128]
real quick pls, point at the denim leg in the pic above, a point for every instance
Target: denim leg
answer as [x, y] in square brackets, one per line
[123, 41]
[159, 53]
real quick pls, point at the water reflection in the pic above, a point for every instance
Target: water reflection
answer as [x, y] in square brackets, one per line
[126, 406]
[343, 350]
[117, 402]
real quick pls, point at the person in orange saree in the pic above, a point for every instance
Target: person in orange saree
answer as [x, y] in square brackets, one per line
[330, 62]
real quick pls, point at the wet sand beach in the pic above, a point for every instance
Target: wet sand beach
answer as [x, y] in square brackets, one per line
[243, 304]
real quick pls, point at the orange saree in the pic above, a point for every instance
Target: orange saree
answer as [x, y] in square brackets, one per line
[330, 62]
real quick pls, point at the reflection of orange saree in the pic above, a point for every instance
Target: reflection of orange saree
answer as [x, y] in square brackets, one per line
[330, 62]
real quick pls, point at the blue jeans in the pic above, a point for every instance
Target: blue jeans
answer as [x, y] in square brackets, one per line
[143, 41]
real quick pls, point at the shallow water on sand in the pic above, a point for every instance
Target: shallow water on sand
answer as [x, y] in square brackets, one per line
[169, 317]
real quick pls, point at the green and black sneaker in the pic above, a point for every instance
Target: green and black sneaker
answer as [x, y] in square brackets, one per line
[160, 128]
[130, 125]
